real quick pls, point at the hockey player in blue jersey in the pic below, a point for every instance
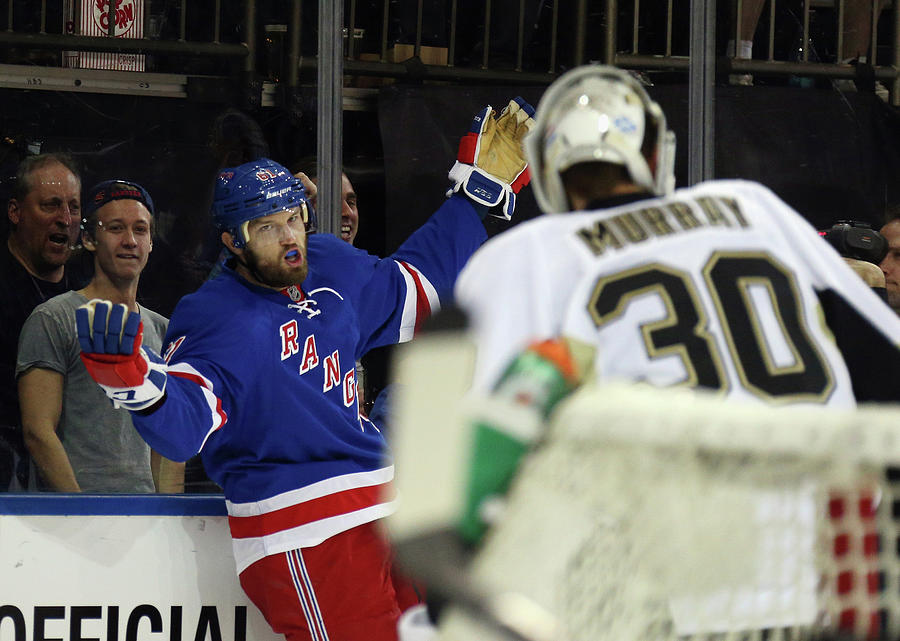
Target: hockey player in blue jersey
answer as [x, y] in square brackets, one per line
[258, 376]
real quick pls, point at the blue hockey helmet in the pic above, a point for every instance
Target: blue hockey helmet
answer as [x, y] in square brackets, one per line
[254, 189]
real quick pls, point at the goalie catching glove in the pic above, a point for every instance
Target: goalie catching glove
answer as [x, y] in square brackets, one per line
[490, 167]
[134, 378]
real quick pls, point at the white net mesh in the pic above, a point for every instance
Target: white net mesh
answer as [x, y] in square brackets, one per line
[656, 514]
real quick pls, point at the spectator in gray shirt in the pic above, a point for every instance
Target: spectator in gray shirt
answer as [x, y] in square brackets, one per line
[77, 440]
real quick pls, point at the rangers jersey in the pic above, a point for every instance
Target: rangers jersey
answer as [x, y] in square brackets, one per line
[721, 286]
[262, 382]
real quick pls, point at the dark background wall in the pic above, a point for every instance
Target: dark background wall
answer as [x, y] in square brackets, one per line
[830, 155]
[164, 144]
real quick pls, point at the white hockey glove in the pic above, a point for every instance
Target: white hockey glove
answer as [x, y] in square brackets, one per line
[134, 378]
[490, 167]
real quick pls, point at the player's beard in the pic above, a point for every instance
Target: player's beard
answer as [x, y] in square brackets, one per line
[893, 295]
[277, 276]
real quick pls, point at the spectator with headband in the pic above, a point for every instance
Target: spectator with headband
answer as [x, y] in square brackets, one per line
[77, 439]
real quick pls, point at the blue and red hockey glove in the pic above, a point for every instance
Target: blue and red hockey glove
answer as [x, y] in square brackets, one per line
[490, 167]
[110, 336]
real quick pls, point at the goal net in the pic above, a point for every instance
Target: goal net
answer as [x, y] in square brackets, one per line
[650, 514]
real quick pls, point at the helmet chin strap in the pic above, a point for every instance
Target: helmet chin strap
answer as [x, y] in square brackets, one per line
[259, 277]
[246, 265]
[242, 234]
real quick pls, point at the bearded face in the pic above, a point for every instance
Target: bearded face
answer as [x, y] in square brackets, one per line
[275, 251]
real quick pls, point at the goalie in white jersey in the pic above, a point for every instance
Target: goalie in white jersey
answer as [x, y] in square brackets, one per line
[720, 286]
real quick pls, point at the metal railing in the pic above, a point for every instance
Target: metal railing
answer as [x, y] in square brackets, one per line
[834, 69]
[549, 36]
[562, 28]
[42, 40]
[613, 47]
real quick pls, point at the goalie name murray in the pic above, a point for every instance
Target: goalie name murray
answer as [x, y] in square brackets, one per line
[666, 219]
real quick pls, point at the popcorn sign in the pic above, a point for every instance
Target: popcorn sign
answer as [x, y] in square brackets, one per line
[93, 20]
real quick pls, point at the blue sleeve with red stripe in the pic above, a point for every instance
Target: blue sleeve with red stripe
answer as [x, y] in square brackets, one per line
[179, 426]
[440, 248]
[408, 286]
[206, 355]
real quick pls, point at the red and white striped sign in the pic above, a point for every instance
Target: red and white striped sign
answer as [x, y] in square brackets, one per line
[94, 21]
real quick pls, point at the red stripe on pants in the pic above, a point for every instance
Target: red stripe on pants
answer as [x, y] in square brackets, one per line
[349, 580]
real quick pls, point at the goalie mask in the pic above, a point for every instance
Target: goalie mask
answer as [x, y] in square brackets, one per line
[255, 189]
[597, 113]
